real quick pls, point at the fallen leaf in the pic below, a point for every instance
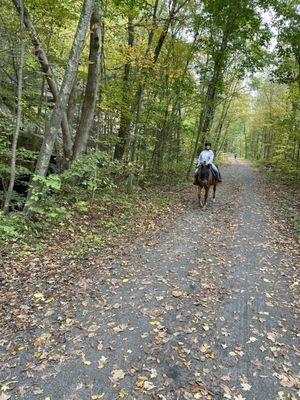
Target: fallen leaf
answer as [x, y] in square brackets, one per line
[102, 362]
[120, 328]
[246, 386]
[39, 296]
[148, 385]
[139, 383]
[204, 348]
[271, 336]
[117, 375]
[177, 293]
[288, 381]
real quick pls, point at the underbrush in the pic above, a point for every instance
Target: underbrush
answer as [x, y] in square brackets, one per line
[85, 207]
[285, 171]
[286, 182]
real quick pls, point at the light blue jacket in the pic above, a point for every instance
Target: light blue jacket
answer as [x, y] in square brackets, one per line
[207, 156]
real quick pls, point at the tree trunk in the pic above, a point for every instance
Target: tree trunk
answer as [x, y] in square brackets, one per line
[9, 192]
[72, 106]
[46, 68]
[125, 119]
[91, 90]
[53, 126]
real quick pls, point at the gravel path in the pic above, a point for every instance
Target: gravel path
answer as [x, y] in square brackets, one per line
[204, 310]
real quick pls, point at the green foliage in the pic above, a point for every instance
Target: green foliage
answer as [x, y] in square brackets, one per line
[91, 172]
[12, 227]
[43, 199]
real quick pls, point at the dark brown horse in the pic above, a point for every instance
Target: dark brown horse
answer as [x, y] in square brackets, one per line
[205, 180]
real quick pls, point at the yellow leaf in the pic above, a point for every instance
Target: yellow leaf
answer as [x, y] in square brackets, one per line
[122, 394]
[4, 387]
[49, 300]
[210, 355]
[139, 383]
[102, 362]
[37, 341]
[204, 348]
[154, 323]
[152, 225]
[205, 327]
[177, 293]
[120, 328]
[39, 296]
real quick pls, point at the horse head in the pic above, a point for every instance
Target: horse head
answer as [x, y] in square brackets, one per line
[204, 172]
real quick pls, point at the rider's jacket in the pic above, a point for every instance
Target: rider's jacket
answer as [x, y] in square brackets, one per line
[207, 156]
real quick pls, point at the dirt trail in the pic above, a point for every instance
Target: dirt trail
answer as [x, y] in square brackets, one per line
[206, 310]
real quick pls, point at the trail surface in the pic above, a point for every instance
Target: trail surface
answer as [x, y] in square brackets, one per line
[206, 309]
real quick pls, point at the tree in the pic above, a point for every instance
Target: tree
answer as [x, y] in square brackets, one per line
[234, 32]
[19, 113]
[53, 126]
[47, 70]
[91, 90]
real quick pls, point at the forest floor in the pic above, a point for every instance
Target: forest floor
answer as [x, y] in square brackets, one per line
[204, 306]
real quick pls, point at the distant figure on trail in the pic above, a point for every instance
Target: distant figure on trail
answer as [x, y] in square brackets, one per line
[207, 156]
[235, 156]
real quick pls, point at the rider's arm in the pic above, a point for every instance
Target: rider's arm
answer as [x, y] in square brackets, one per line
[200, 159]
[211, 157]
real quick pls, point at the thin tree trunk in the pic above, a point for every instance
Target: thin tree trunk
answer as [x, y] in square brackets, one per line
[125, 119]
[53, 126]
[91, 90]
[72, 106]
[9, 192]
[46, 68]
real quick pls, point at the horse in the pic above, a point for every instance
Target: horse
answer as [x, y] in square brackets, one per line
[205, 179]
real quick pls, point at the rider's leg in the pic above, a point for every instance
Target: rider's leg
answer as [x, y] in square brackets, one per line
[216, 172]
[196, 177]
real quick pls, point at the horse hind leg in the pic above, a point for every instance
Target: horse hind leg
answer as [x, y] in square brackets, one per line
[214, 193]
[199, 196]
[206, 197]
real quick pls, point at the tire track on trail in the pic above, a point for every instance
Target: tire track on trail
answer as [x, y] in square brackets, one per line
[205, 311]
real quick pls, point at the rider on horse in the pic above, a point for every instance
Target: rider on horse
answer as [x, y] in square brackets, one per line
[207, 156]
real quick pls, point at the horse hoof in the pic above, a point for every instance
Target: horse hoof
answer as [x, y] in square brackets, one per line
[214, 200]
